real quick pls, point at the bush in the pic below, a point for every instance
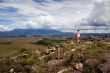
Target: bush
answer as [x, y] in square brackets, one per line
[44, 42]
[22, 50]
[50, 42]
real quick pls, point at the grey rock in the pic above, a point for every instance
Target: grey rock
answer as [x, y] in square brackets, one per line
[53, 64]
[104, 68]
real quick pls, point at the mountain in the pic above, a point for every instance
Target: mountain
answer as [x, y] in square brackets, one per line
[34, 32]
[46, 32]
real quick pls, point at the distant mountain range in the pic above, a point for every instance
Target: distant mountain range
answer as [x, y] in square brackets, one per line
[40, 32]
[45, 32]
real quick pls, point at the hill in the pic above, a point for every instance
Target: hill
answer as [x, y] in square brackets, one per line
[40, 32]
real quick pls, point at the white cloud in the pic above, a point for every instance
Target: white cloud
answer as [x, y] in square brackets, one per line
[101, 12]
[4, 28]
[64, 15]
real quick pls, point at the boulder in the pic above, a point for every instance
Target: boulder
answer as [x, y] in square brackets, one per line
[53, 64]
[104, 68]
[105, 54]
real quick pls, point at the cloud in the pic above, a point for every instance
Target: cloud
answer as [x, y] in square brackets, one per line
[99, 18]
[64, 15]
[100, 13]
[4, 28]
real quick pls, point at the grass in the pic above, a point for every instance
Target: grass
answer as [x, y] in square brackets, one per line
[50, 42]
[18, 46]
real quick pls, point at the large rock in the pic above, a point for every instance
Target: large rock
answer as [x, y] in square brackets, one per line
[105, 68]
[105, 54]
[53, 64]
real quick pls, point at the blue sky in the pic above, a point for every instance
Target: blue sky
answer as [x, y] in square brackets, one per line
[64, 15]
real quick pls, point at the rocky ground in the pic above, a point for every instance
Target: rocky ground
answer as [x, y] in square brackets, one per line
[68, 57]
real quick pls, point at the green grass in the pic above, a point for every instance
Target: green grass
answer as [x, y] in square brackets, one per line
[17, 44]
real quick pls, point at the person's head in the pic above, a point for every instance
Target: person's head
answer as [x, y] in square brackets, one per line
[78, 30]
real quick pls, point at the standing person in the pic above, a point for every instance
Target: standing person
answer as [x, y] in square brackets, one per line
[78, 36]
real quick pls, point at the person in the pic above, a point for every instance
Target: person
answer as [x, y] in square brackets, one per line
[78, 36]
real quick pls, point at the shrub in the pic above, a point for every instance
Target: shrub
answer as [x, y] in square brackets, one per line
[50, 42]
[22, 50]
[44, 42]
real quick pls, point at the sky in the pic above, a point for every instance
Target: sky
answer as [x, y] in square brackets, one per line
[64, 15]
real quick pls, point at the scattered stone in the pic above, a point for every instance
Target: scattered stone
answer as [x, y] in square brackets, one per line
[52, 52]
[37, 52]
[48, 51]
[88, 42]
[53, 48]
[79, 66]
[73, 50]
[12, 70]
[108, 43]
[72, 42]
[25, 55]
[41, 57]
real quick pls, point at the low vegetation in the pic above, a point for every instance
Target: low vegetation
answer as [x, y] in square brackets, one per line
[47, 42]
[63, 56]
